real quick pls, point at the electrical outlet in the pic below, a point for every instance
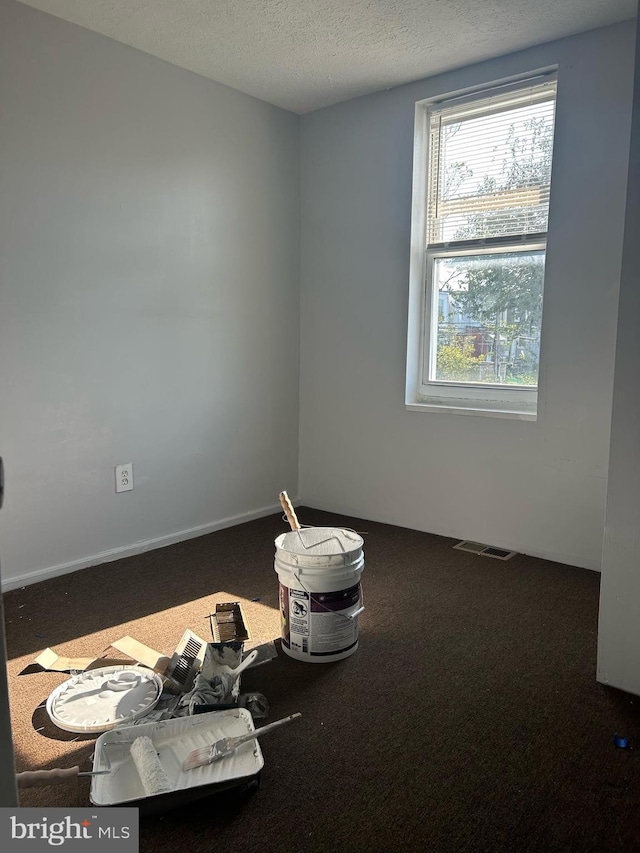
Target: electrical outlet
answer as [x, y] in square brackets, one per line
[124, 477]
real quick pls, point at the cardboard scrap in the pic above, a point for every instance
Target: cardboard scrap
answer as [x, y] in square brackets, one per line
[52, 661]
[143, 654]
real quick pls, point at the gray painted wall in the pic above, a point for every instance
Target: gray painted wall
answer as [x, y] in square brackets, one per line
[149, 260]
[619, 628]
[536, 487]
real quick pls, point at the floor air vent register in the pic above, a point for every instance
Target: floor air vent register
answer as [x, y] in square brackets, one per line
[485, 550]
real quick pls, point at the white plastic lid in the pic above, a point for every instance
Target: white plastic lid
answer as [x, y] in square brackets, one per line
[100, 699]
[320, 541]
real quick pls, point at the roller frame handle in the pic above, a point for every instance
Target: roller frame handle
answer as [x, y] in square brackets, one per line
[39, 778]
[289, 511]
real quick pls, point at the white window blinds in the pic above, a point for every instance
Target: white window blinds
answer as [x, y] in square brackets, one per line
[490, 165]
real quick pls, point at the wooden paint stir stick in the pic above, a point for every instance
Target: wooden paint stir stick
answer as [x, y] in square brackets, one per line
[289, 511]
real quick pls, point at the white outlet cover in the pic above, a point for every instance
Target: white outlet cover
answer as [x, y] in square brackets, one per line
[124, 477]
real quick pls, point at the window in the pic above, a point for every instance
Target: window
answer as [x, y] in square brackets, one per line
[482, 176]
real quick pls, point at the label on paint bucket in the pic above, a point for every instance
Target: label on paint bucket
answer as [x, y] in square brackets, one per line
[317, 623]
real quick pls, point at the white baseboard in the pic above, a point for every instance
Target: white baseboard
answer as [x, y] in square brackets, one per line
[139, 547]
[542, 554]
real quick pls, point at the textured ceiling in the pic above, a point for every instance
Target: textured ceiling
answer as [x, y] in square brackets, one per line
[306, 54]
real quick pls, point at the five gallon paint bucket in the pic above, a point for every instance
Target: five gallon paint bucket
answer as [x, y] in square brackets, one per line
[319, 570]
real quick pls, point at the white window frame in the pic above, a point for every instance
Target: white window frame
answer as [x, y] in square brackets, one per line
[422, 393]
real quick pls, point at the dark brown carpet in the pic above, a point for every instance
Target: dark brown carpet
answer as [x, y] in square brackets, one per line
[468, 720]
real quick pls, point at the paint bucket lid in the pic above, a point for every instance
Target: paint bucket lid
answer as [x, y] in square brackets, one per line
[320, 541]
[101, 699]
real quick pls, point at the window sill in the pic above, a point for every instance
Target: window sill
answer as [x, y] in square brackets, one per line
[453, 408]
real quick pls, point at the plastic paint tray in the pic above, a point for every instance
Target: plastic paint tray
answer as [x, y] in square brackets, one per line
[174, 740]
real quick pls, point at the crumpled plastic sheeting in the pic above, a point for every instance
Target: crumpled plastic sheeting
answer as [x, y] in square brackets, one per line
[216, 683]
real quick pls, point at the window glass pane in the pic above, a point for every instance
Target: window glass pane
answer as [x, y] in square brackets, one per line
[487, 318]
[489, 174]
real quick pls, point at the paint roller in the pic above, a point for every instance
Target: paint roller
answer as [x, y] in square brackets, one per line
[147, 763]
[143, 754]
